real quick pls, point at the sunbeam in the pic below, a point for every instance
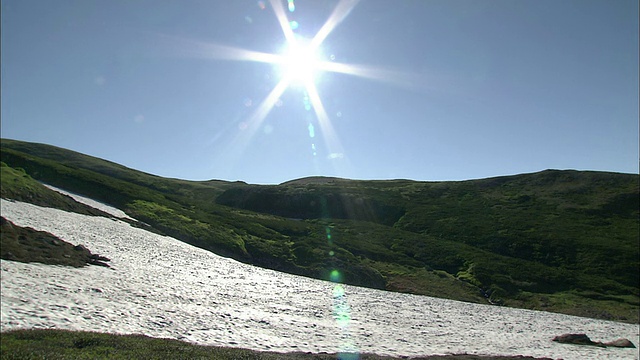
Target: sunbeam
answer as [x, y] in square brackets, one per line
[340, 13]
[206, 50]
[397, 78]
[300, 64]
[331, 139]
[252, 124]
[278, 9]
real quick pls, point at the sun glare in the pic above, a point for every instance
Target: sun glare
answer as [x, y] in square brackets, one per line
[300, 64]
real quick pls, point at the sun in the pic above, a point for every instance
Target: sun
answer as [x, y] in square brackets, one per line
[300, 63]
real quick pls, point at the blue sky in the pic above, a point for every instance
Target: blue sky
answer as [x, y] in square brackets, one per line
[434, 90]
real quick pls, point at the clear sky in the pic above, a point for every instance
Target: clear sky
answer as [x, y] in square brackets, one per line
[414, 89]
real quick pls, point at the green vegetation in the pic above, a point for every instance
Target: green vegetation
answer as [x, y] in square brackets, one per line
[63, 344]
[28, 245]
[16, 184]
[562, 241]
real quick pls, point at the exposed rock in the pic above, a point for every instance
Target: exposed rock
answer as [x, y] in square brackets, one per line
[624, 343]
[80, 247]
[98, 260]
[577, 339]
[583, 339]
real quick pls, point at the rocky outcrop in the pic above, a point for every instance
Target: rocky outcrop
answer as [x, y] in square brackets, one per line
[583, 339]
[99, 260]
[576, 339]
[28, 245]
[623, 343]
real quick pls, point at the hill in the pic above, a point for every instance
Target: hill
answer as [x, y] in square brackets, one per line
[562, 241]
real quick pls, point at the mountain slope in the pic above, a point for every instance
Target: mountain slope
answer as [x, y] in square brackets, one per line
[564, 241]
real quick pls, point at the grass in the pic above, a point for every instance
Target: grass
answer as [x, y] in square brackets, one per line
[63, 344]
[562, 241]
[28, 245]
[16, 184]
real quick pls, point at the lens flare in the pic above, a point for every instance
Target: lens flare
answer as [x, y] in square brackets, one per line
[336, 276]
[348, 356]
[301, 64]
[342, 316]
[306, 102]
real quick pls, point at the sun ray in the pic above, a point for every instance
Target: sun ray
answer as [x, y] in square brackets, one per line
[301, 63]
[332, 141]
[398, 78]
[206, 50]
[258, 116]
[249, 127]
[200, 49]
[278, 9]
[340, 13]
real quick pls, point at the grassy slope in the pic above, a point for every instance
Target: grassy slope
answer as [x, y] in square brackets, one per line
[562, 241]
[28, 245]
[18, 185]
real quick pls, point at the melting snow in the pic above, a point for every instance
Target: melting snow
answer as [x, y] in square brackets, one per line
[162, 287]
[93, 203]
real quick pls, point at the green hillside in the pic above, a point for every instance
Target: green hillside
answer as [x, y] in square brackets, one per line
[562, 241]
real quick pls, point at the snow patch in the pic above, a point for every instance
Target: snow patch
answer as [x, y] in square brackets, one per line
[93, 203]
[161, 287]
